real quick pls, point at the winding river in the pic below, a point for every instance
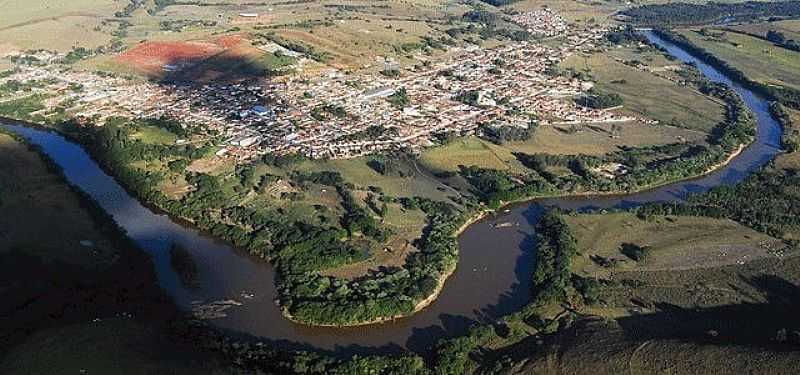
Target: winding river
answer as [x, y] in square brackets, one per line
[492, 278]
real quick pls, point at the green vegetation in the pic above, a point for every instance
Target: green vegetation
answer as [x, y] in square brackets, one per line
[555, 248]
[467, 152]
[610, 241]
[74, 323]
[645, 81]
[299, 47]
[400, 98]
[758, 59]
[324, 111]
[300, 246]
[704, 296]
[54, 285]
[390, 166]
[790, 140]
[313, 217]
[645, 166]
[504, 133]
[23, 108]
[780, 39]
[786, 95]
[468, 97]
[599, 99]
[275, 63]
[765, 201]
[693, 14]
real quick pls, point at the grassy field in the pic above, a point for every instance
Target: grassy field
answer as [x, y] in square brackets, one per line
[357, 172]
[58, 25]
[154, 135]
[597, 346]
[406, 227]
[789, 28]
[646, 93]
[355, 34]
[687, 309]
[758, 59]
[16, 12]
[588, 139]
[591, 11]
[676, 242]
[469, 151]
[321, 204]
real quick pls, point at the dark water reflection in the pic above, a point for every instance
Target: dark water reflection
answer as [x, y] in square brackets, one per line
[492, 278]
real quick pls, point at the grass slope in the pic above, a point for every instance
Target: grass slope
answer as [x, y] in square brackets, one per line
[760, 60]
[649, 95]
[65, 307]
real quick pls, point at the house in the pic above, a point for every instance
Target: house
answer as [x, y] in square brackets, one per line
[262, 111]
[380, 92]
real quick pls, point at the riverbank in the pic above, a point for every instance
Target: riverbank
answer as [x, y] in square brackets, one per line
[261, 317]
[784, 95]
[419, 306]
[442, 278]
[589, 194]
[62, 295]
[485, 211]
[323, 308]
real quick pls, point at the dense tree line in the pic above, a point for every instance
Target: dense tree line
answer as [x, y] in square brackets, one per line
[390, 165]
[555, 247]
[779, 39]
[499, 133]
[250, 356]
[480, 16]
[400, 98]
[495, 187]
[599, 99]
[766, 201]
[490, 27]
[453, 355]
[499, 3]
[318, 299]
[625, 35]
[696, 14]
[790, 139]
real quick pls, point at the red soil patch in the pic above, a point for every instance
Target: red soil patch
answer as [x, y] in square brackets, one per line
[152, 56]
[228, 41]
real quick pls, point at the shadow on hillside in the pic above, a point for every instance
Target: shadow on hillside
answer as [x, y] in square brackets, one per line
[746, 323]
[772, 326]
[221, 68]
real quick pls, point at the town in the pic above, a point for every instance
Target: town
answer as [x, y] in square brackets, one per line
[337, 115]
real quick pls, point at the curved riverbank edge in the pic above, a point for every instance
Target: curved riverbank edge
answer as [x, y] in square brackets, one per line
[784, 95]
[484, 212]
[422, 304]
[442, 279]
[588, 194]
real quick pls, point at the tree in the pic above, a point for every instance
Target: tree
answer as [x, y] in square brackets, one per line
[399, 99]
[636, 252]
[776, 37]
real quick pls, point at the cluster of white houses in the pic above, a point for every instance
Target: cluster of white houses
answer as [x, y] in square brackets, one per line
[344, 116]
